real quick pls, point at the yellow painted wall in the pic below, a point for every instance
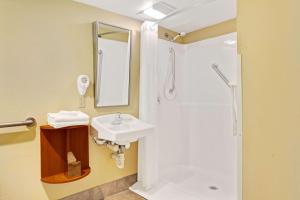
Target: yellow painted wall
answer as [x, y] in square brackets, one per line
[44, 46]
[211, 31]
[162, 32]
[269, 41]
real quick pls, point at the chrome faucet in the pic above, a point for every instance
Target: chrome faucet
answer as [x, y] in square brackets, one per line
[117, 120]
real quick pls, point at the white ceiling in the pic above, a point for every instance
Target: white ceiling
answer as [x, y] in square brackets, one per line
[206, 13]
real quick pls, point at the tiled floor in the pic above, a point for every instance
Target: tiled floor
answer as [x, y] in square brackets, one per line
[125, 195]
[114, 190]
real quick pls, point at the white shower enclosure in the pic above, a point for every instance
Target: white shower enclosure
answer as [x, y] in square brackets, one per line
[194, 153]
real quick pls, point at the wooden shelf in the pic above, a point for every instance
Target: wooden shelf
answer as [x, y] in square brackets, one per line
[55, 144]
[62, 178]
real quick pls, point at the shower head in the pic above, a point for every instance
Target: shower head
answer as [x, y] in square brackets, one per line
[182, 34]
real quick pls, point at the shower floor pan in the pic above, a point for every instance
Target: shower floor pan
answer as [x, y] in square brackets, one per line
[186, 183]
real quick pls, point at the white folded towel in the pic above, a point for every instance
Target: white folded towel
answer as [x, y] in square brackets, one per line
[66, 124]
[67, 118]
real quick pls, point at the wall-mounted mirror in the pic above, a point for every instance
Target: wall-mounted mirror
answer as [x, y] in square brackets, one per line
[112, 53]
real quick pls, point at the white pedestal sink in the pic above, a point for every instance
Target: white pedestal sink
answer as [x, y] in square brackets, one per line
[121, 129]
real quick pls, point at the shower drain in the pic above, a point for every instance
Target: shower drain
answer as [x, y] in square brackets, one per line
[213, 188]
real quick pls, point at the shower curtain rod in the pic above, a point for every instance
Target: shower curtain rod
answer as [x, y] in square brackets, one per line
[183, 10]
[221, 75]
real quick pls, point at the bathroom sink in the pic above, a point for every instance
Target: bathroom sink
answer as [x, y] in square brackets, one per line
[120, 128]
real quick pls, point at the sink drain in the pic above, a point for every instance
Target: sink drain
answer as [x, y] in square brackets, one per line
[213, 188]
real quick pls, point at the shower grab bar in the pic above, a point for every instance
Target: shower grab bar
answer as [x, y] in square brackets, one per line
[221, 75]
[98, 72]
[233, 93]
[29, 122]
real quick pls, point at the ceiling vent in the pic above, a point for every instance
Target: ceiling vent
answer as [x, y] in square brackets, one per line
[163, 7]
[157, 11]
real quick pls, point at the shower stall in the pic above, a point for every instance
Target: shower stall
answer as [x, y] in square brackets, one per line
[195, 150]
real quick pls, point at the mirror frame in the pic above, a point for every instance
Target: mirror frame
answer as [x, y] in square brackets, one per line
[96, 26]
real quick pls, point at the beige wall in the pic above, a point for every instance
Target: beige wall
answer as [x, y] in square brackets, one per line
[171, 34]
[269, 41]
[210, 32]
[44, 46]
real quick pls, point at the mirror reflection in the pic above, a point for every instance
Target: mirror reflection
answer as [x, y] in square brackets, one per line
[112, 65]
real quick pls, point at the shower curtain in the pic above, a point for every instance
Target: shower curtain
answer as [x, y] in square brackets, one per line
[147, 167]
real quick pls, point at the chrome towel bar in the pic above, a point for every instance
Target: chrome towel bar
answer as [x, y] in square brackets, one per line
[29, 122]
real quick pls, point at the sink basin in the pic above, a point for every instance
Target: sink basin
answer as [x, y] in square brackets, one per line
[128, 129]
